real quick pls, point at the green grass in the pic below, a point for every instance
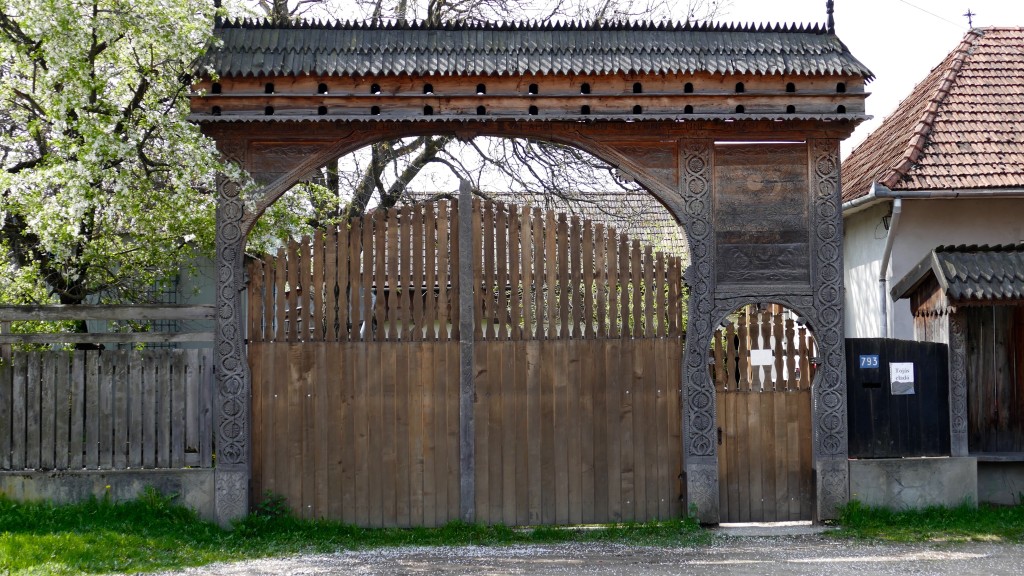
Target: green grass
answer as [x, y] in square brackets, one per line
[153, 534]
[963, 523]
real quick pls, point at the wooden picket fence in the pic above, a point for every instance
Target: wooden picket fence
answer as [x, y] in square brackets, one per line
[790, 346]
[354, 347]
[392, 276]
[763, 371]
[105, 409]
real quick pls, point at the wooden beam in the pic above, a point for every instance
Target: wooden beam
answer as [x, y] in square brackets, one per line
[107, 338]
[58, 312]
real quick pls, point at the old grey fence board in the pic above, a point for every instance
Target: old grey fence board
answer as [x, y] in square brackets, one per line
[134, 408]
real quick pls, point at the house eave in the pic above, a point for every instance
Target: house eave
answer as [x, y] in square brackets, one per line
[880, 193]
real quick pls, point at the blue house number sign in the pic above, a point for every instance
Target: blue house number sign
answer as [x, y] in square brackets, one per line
[869, 360]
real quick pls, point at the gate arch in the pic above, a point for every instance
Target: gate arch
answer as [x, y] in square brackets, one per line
[668, 136]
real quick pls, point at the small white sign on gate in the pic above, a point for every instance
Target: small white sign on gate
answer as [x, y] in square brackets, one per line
[761, 358]
[901, 377]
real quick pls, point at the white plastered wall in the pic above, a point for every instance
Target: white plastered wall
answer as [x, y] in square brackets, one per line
[863, 244]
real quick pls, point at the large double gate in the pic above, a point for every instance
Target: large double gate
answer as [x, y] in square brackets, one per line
[355, 350]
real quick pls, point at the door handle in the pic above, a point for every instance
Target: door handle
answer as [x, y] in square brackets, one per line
[719, 435]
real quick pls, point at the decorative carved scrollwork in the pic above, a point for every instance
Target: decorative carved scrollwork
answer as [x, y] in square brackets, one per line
[232, 376]
[699, 392]
[831, 430]
[958, 383]
[232, 495]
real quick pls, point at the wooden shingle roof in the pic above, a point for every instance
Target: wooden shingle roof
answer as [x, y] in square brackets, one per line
[961, 128]
[248, 48]
[971, 274]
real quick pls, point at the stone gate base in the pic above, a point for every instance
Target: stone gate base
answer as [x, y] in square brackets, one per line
[902, 483]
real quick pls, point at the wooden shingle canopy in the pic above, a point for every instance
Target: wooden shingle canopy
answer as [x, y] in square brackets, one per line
[472, 72]
[964, 276]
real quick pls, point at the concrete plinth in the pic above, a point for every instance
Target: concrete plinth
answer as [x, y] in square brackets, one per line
[193, 487]
[1001, 483]
[902, 483]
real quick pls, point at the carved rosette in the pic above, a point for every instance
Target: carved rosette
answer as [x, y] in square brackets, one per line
[702, 490]
[232, 494]
[957, 383]
[830, 391]
[231, 369]
[833, 487]
[699, 439]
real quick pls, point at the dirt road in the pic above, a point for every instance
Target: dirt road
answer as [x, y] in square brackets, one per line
[728, 556]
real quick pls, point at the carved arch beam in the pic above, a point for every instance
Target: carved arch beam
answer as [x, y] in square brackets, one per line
[278, 159]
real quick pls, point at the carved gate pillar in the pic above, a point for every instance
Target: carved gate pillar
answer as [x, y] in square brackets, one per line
[231, 475]
[700, 446]
[831, 433]
[958, 383]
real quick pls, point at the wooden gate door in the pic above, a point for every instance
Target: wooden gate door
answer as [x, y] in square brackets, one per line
[762, 375]
[355, 349]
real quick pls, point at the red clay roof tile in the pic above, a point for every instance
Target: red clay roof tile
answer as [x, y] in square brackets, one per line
[961, 127]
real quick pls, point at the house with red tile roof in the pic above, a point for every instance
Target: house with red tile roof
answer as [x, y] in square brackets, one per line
[933, 209]
[946, 168]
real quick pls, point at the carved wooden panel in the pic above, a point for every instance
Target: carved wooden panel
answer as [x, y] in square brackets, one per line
[761, 214]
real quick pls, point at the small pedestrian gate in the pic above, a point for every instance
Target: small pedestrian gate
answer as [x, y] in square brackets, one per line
[355, 348]
[762, 372]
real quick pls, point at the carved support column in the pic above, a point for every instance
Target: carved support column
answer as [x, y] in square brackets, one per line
[957, 384]
[232, 373]
[700, 448]
[829, 395]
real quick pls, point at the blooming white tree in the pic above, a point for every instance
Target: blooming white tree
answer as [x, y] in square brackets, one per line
[105, 187]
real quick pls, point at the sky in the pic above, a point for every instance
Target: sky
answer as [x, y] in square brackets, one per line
[900, 41]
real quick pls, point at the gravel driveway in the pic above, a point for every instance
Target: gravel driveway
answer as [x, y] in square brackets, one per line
[728, 556]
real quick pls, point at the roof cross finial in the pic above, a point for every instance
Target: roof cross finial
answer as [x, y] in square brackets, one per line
[970, 18]
[829, 9]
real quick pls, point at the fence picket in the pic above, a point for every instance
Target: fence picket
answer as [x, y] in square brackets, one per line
[561, 281]
[77, 412]
[178, 382]
[576, 277]
[551, 267]
[47, 411]
[31, 399]
[120, 397]
[501, 284]
[366, 310]
[63, 407]
[588, 280]
[163, 418]
[6, 402]
[416, 280]
[315, 297]
[539, 279]
[397, 314]
[444, 275]
[601, 263]
[335, 249]
[625, 289]
[649, 289]
[430, 253]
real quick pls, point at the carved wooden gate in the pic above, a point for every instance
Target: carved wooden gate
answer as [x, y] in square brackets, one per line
[763, 372]
[355, 348]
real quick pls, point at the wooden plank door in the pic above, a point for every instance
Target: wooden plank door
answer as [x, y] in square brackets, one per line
[763, 392]
[764, 456]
